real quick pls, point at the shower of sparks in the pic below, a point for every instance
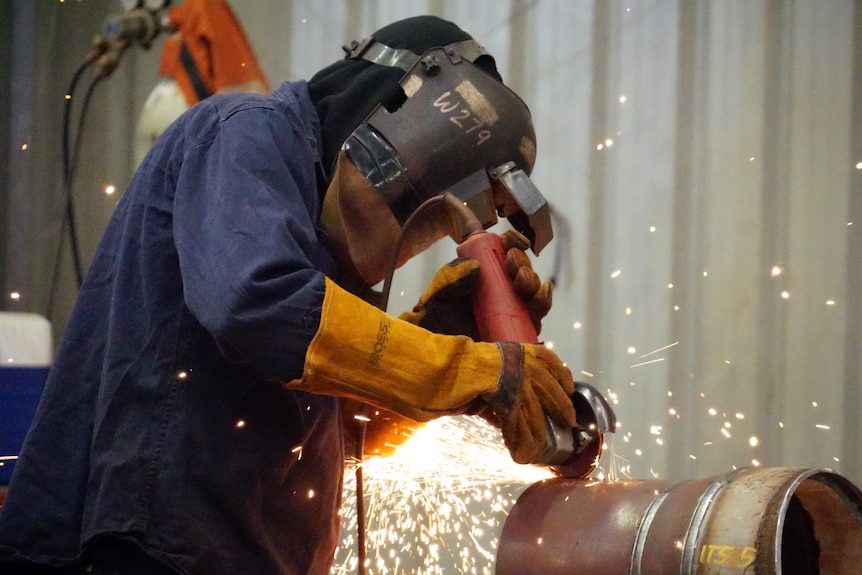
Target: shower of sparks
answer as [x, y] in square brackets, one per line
[647, 362]
[668, 346]
[440, 500]
[438, 504]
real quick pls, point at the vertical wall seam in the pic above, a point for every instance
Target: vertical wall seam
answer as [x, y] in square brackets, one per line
[689, 60]
[19, 191]
[595, 347]
[518, 46]
[852, 448]
[774, 211]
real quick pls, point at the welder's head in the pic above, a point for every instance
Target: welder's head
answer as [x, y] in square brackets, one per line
[415, 110]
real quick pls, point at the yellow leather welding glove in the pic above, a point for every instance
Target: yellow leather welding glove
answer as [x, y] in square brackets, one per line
[529, 389]
[384, 430]
[445, 306]
[538, 296]
[362, 353]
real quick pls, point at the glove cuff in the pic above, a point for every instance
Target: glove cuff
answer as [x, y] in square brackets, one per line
[365, 354]
[502, 401]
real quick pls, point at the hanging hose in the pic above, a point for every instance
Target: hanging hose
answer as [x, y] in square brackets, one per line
[561, 271]
[361, 420]
[70, 157]
[106, 51]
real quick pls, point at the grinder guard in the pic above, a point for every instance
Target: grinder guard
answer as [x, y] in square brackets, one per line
[575, 453]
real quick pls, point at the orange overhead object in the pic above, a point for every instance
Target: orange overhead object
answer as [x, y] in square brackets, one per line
[209, 52]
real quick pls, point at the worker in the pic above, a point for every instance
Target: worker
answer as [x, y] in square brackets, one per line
[191, 422]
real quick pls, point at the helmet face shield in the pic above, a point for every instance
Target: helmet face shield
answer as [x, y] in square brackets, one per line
[458, 130]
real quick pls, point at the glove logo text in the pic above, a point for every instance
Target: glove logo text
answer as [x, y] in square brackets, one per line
[380, 344]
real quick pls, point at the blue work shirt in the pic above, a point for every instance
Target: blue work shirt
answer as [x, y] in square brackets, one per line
[164, 419]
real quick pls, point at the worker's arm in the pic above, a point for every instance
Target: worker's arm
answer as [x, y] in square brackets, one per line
[360, 352]
[244, 221]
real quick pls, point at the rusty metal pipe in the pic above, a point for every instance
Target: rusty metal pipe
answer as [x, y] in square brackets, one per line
[752, 521]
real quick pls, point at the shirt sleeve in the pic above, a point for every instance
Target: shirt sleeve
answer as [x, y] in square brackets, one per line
[245, 223]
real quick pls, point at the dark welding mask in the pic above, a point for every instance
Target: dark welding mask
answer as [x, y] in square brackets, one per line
[457, 130]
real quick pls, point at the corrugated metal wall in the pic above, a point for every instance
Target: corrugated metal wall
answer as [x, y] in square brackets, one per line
[702, 154]
[702, 159]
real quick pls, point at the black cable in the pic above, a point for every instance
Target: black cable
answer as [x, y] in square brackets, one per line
[562, 262]
[470, 225]
[70, 179]
[68, 205]
[361, 552]
[466, 216]
[106, 50]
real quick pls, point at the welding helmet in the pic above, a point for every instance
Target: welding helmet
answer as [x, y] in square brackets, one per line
[454, 127]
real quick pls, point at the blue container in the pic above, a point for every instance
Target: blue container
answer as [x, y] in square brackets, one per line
[20, 389]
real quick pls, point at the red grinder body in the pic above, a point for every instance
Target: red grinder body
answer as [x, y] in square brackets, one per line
[501, 315]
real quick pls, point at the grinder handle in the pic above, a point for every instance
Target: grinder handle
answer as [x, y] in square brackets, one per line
[500, 313]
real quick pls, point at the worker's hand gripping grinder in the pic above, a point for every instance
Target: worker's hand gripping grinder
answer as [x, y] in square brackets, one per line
[456, 122]
[501, 315]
